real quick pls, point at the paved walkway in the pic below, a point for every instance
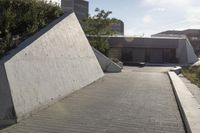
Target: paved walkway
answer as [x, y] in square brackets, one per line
[128, 102]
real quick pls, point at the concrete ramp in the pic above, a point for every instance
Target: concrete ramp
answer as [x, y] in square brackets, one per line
[48, 66]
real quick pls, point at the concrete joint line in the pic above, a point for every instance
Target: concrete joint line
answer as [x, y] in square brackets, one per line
[188, 106]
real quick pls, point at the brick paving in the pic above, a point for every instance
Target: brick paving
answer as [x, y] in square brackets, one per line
[127, 102]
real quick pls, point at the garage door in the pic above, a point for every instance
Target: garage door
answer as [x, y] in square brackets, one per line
[155, 55]
[138, 55]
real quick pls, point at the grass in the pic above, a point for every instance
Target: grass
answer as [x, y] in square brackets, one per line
[192, 74]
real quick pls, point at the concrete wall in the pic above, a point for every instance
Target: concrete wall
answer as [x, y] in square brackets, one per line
[6, 105]
[107, 64]
[181, 52]
[53, 63]
[185, 52]
[191, 56]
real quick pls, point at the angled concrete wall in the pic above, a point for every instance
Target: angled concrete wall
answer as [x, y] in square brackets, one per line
[6, 106]
[185, 52]
[106, 63]
[53, 63]
[191, 56]
[181, 51]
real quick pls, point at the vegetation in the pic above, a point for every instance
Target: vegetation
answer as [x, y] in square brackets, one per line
[192, 74]
[98, 29]
[21, 18]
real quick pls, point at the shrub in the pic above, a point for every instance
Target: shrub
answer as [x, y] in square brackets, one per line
[198, 73]
[192, 74]
[21, 18]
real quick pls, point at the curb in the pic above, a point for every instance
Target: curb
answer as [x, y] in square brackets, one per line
[187, 104]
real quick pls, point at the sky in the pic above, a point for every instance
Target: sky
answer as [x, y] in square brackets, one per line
[147, 17]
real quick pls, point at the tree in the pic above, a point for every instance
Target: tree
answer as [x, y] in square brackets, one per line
[20, 19]
[98, 29]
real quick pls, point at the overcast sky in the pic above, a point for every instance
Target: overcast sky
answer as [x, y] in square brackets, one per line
[152, 16]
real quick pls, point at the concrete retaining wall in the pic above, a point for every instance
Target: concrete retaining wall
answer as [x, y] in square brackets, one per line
[188, 106]
[53, 63]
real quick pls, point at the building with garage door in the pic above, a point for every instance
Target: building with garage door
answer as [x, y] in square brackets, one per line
[192, 34]
[152, 50]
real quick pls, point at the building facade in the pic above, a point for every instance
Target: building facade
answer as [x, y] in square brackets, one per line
[192, 34]
[80, 7]
[118, 27]
[151, 50]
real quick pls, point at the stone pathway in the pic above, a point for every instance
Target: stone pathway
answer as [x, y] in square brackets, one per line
[127, 102]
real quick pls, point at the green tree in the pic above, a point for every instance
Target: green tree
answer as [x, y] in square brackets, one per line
[19, 19]
[98, 29]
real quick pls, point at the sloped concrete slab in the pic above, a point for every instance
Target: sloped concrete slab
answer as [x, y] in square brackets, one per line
[107, 64]
[189, 107]
[53, 63]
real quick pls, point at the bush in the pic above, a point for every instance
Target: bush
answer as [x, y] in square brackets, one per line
[192, 74]
[198, 73]
[21, 18]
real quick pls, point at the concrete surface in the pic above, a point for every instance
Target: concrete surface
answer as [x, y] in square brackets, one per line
[189, 107]
[195, 90]
[48, 66]
[107, 64]
[127, 102]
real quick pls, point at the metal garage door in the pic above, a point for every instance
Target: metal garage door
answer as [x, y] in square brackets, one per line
[138, 55]
[127, 55]
[155, 55]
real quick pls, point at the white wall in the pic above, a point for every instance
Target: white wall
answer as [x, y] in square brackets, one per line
[54, 65]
